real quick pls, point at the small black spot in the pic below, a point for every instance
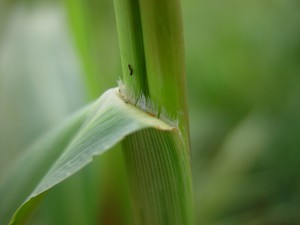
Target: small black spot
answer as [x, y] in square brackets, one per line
[130, 69]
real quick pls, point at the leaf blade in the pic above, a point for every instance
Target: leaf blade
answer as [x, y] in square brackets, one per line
[129, 119]
[110, 119]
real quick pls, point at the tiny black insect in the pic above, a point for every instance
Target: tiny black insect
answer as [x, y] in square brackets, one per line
[130, 69]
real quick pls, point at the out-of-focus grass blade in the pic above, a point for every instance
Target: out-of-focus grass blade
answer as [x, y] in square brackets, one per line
[92, 26]
[104, 123]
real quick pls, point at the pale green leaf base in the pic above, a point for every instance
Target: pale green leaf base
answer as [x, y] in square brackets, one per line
[159, 172]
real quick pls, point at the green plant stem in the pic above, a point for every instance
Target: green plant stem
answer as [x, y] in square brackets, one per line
[151, 42]
[160, 178]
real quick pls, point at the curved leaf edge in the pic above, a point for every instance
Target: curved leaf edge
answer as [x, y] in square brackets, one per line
[109, 101]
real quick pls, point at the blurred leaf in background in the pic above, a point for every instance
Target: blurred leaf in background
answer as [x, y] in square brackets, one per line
[93, 27]
[243, 66]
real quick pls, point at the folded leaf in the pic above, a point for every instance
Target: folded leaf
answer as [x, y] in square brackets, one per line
[103, 124]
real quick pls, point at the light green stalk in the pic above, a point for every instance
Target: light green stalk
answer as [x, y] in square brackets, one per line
[151, 43]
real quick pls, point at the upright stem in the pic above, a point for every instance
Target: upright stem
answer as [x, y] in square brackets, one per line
[152, 53]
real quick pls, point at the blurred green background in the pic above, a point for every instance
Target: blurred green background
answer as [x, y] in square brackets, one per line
[243, 73]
